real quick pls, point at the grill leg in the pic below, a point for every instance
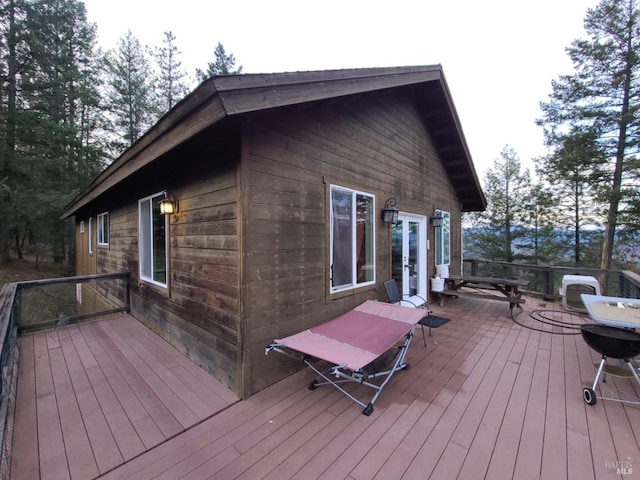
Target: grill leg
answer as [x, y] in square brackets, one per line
[600, 368]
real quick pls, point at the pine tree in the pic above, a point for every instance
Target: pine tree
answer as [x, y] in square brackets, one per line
[130, 93]
[222, 65]
[572, 171]
[601, 99]
[171, 85]
[47, 156]
[500, 228]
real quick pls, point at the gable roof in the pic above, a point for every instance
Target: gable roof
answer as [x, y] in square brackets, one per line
[227, 96]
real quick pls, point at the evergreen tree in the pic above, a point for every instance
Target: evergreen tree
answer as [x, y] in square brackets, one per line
[12, 56]
[501, 227]
[47, 154]
[572, 171]
[222, 65]
[130, 94]
[601, 99]
[171, 79]
[543, 242]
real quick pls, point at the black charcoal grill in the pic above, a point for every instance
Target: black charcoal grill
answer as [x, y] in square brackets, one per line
[611, 342]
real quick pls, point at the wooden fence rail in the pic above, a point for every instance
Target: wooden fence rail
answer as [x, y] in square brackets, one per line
[545, 280]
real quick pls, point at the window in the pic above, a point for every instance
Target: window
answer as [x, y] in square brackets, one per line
[443, 240]
[103, 229]
[152, 240]
[352, 239]
[81, 226]
[90, 238]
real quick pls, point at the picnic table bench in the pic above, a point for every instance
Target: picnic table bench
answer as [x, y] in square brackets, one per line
[508, 290]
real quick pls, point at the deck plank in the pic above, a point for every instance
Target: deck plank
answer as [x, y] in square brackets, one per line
[486, 398]
[167, 396]
[52, 455]
[162, 416]
[103, 444]
[147, 430]
[207, 388]
[80, 456]
[124, 434]
[25, 464]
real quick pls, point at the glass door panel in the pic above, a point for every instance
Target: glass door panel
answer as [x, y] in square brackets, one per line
[397, 256]
[409, 255]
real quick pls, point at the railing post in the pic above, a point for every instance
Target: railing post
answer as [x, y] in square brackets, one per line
[474, 268]
[16, 308]
[128, 294]
[547, 284]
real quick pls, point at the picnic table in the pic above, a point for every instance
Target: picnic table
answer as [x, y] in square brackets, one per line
[506, 289]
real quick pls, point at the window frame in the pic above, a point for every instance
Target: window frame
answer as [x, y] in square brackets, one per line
[103, 229]
[141, 242]
[90, 236]
[370, 241]
[443, 240]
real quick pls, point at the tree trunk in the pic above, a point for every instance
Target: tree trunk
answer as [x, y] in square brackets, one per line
[10, 138]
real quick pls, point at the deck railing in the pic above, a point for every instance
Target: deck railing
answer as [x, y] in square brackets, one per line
[545, 280]
[42, 304]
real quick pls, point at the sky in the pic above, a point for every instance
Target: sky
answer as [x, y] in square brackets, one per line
[499, 56]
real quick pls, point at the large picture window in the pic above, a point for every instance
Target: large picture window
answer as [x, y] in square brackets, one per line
[103, 229]
[152, 240]
[443, 240]
[352, 239]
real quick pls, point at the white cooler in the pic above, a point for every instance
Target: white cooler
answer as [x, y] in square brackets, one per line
[575, 285]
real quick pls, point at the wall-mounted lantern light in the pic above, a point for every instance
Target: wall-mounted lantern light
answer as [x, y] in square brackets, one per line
[168, 205]
[389, 213]
[436, 220]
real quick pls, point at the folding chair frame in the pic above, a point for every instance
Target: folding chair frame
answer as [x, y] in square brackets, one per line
[344, 375]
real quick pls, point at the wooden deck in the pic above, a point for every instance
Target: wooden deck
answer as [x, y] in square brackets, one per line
[487, 398]
[94, 396]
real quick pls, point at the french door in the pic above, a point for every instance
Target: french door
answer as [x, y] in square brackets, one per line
[409, 256]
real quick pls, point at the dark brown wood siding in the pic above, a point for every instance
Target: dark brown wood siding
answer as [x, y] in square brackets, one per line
[198, 311]
[377, 144]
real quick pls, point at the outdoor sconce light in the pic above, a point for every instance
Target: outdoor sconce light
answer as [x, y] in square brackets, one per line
[436, 220]
[168, 205]
[389, 212]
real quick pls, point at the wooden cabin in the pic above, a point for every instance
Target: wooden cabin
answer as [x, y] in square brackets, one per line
[278, 184]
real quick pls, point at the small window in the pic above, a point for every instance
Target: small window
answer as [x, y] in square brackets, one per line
[352, 239]
[81, 226]
[152, 240]
[90, 237]
[443, 240]
[103, 229]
